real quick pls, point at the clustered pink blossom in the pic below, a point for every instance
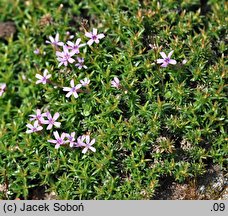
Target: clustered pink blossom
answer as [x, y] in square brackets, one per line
[85, 82]
[43, 79]
[73, 89]
[2, 88]
[88, 144]
[65, 56]
[59, 140]
[82, 141]
[94, 37]
[51, 121]
[80, 63]
[166, 60]
[42, 119]
[55, 41]
[75, 46]
[34, 128]
[115, 83]
[38, 116]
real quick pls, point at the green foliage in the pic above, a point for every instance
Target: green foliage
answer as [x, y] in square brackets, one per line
[164, 122]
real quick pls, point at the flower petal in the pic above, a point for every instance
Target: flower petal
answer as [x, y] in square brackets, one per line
[170, 54]
[159, 61]
[56, 134]
[88, 34]
[72, 83]
[92, 149]
[172, 61]
[66, 88]
[90, 42]
[100, 36]
[163, 55]
[84, 150]
[56, 116]
[94, 31]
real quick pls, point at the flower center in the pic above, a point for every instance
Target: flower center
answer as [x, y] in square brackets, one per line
[59, 141]
[94, 37]
[67, 56]
[167, 60]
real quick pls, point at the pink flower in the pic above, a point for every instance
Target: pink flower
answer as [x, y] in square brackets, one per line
[166, 59]
[115, 83]
[65, 56]
[59, 140]
[88, 144]
[43, 79]
[94, 37]
[51, 121]
[80, 141]
[55, 41]
[184, 61]
[72, 90]
[75, 46]
[36, 51]
[80, 63]
[85, 82]
[2, 88]
[38, 116]
[71, 139]
[34, 128]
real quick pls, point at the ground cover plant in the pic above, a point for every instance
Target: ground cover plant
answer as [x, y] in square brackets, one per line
[104, 99]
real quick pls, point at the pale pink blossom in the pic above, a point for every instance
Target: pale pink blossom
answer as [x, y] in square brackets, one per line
[184, 61]
[43, 79]
[2, 88]
[51, 121]
[55, 41]
[115, 83]
[71, 139]
[34, 128]
[94, 37]
[166, 59]
[36, 51]
[75, 46]
[59, 140]
[85, 82]
[88, 144]
[38, 116]
[73, 89]
[80, 141]
[65, 56]
[80, 63]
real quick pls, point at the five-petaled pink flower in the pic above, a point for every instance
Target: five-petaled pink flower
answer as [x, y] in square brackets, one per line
[2, 88]
[85, 82]
[43, 79]
[71, 139]
[94, 37]
[80, 141]
[72, 90]
[88, 144]
[115, 83]
[65, 56]
[59, 140]
[166, 59]
[38, 116]
[34, 128]
[55, 41]
[80, 63]
[75, 46]
[51, 120]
